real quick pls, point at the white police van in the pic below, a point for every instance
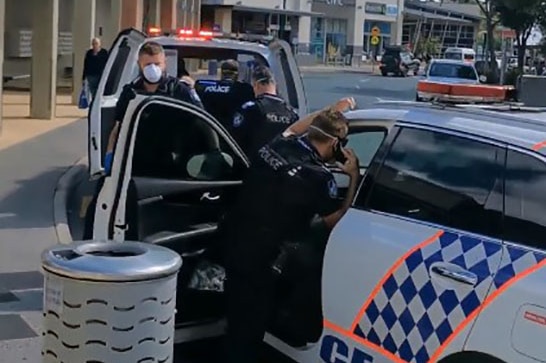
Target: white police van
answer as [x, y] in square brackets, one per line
[440, 259]
[121, 68]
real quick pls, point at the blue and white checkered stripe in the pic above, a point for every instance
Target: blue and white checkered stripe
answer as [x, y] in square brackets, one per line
[411, 318]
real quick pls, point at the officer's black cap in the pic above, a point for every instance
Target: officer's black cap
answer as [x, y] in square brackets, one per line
[262, 74]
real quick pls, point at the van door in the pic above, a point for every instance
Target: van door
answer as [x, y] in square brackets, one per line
[120, 69]
[291, 83]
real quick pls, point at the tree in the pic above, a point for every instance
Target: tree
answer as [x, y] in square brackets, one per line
[522, 16]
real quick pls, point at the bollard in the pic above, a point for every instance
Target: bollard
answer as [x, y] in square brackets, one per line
[109, 302]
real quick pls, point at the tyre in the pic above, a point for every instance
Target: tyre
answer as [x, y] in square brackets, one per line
[384, 73]
[418, 99]
[416, 72]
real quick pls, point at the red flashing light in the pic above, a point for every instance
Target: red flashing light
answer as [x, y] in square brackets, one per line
[154, 31]
[206, 34]
[185, 32]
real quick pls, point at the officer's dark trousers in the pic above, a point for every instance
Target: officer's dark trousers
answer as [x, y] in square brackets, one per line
[249, 298]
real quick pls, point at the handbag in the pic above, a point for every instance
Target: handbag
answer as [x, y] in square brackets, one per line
[83, 102]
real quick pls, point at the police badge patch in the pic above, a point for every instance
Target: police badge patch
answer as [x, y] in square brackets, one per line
[237, 120]
[332, 188]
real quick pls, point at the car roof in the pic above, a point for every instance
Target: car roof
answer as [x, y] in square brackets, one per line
[241, 45]
[522, 129]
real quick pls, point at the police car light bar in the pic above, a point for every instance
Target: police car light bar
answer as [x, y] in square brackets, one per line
[154, 31]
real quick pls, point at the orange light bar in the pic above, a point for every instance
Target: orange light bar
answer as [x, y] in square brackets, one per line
[154, 30]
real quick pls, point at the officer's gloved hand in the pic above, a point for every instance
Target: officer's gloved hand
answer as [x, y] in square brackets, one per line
[108, 159]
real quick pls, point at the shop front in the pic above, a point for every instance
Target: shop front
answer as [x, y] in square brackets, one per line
[382, 27]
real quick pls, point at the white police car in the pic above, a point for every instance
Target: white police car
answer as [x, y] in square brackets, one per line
[121, 68]
[441, 258]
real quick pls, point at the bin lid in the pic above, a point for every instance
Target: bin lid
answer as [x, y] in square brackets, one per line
[111, 261]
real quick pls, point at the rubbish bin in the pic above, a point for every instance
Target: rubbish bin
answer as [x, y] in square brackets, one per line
[109, 302]
[213, 67]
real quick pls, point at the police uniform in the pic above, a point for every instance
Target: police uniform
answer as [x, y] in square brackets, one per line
[286, 186]
[224, 97]
[260, 121]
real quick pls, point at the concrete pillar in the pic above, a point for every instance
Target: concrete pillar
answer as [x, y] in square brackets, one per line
[132, 14]
[304, 34]
[168, 15]
[113, 26]
[83, 30]
[2, 26]
[223, 18]
[43, 94]
[189, 14]
[356, 35]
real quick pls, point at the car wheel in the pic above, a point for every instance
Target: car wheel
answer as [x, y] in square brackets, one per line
[416, 72]
[384, 73]
[418, 99]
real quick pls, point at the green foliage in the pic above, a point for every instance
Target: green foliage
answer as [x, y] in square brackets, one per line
[428, 46]
[511, 77]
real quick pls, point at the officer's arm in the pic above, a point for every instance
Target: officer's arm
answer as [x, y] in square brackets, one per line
[243, 121]
[328, 203]
[186, 93]
[301, 126]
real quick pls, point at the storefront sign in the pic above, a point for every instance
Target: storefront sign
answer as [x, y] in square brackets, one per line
[375, 8]
[335, 2]
[392, 10]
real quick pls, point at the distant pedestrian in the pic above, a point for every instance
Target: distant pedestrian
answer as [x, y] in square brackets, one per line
[94, 63]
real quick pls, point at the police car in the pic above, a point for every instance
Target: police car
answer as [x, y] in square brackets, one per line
[440, 259]
[121, 68]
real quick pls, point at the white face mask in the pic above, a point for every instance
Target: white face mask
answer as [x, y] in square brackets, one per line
[152, 73]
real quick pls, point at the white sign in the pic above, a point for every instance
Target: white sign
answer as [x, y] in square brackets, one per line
[335, 2]
[392, 10]
[53, 295]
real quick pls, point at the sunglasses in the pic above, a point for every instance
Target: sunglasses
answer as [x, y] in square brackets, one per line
[342, 141]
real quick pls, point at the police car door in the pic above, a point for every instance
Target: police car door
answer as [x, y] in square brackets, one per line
[290, 83]
[407, 270]
[119, 70]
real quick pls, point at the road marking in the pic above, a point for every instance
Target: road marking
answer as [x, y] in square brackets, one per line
[364, 80]
[86, 200]
[7, 215]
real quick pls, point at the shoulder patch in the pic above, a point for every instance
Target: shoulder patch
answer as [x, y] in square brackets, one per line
[248, 105]
[237, 120]
[332, 188]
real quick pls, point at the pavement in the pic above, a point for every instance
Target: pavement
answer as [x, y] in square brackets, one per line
[33, 156]
[36, 154]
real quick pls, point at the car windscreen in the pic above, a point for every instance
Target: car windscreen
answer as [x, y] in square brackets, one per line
[452, 71]
[453, 55]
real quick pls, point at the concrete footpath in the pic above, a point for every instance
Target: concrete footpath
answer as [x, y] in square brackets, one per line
[34, 154]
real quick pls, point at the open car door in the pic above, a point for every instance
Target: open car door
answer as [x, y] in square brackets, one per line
[120, 69]
[290, 84]
[174, 174]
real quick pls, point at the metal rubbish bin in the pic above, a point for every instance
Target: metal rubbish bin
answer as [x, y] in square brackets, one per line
[109, 302]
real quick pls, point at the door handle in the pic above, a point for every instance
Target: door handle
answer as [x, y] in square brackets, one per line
[210, 197]
[466, 277]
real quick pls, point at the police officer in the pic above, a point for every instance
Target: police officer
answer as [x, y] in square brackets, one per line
[152, 80]
[287, 185]
[222, 98]
[259, 121]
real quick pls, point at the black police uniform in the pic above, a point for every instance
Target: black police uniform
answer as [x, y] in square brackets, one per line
[260, 121]
[170, 87]
[223, 98]
[286, 186]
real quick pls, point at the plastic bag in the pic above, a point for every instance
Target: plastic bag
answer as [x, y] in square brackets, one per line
[208, 276]
[83, 102]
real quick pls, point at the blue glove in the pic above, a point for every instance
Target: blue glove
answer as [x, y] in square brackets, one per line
[108, 158]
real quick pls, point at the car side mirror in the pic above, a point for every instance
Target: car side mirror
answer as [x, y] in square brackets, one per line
[214, 165]
[483, 79]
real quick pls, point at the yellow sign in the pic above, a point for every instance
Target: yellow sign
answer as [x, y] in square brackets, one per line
[375, 31]
[374, 40]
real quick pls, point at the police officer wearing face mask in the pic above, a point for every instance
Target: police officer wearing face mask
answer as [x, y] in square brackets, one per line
[259, 121]
[152, 80]
[223, 97]
[286, 187]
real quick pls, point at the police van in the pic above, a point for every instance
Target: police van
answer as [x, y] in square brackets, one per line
[121, 68]
[440, 259]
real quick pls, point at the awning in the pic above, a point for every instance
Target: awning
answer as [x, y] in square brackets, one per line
[432, 16]
[252, 9]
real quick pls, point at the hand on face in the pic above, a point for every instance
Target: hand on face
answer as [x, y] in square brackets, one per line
[351, 165]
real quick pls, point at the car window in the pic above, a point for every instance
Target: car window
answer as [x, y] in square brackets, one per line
[365, 145]
[525, 204]
[175, 144]
[442, 179]
[468, 57]
[452, 71]
[289, 80]
[453, 55]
